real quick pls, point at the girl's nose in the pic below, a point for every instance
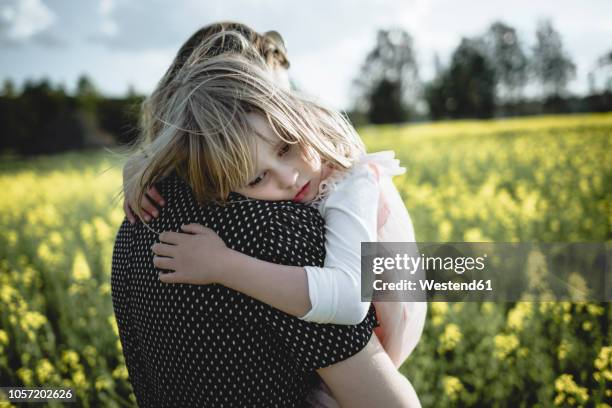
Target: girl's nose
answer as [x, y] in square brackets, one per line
[287, 177]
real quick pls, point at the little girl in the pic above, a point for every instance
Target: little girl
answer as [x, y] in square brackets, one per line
[262, 142]
[359, 204]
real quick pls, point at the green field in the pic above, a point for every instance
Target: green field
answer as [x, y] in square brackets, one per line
[536, 180]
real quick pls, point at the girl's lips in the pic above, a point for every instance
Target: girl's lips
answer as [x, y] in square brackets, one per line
[302, 192]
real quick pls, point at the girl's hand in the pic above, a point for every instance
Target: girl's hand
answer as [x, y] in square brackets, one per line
[149, 206]
[195, 257]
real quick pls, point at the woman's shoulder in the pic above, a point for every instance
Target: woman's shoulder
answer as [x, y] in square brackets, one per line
[178, 193]
[269, 210]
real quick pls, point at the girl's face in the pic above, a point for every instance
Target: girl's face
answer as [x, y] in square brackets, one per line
[283, 171]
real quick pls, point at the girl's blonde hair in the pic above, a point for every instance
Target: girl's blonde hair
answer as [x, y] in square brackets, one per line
[206, 137]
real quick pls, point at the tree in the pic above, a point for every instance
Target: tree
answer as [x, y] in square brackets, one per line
[386, 103]
[86, 94]
[550, 65]
[604, 64]
[388, 80]
[467, 87]
[8, 88]
[508, 59]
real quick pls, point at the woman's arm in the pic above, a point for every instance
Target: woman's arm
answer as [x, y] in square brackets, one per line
[369, 379]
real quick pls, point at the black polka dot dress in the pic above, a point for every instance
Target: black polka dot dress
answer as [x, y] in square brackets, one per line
[210, 346]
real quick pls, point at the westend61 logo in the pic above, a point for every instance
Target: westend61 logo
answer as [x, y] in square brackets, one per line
[485, 271]
[412, 264]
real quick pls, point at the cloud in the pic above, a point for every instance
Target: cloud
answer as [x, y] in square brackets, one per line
[108, 26]
[139, 26]
[24, 20]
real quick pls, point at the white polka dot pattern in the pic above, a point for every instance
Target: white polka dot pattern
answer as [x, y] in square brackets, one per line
[209, 346]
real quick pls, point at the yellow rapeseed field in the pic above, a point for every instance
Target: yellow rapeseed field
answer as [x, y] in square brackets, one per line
[544, 179]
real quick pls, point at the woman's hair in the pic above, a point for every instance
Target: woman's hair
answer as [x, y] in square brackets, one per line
[269, 46]
[204, 133]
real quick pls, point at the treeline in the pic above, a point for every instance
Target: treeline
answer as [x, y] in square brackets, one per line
[486, 77]
[45, 118]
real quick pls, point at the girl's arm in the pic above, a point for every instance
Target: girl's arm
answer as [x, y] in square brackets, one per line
[351, 215]
[331, 294]
[201, 257]
[150, 201]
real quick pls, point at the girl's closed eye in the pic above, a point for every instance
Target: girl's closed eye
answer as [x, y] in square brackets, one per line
[257, 180]
[283, 150]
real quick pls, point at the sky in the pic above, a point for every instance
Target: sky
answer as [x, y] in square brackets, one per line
[123, 43]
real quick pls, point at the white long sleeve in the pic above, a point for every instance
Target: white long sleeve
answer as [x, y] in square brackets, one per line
[350, 212]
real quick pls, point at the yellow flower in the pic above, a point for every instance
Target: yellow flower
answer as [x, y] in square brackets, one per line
[26, 375]
[452, 387]
[604, 359]
[32, 320]
[6, 293]
[568, 390]
[4, 338]
[488, 307]
[12, 238]
[546, 306]
[87, 232]
[103, 383]
[105, 288]
[113, 322]
[518, 314]
[90, 353]
[445, 230]
[78, 377]
[474, 235]
[55, 238]
[595, 310]
[44, 370]
[504, 345]
[449, 338]
[80, 268]
[103, 231]
[439, 308]
[70, 358]
[603, 364]
[563, 349]
[120, 373]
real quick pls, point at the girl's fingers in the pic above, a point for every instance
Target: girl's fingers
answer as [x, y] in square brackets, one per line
[170, 237]
[148, 206]
[194, 228]
[154, 194]
[163, 263]
[168, 277]
[163, 249]
[128, 212]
